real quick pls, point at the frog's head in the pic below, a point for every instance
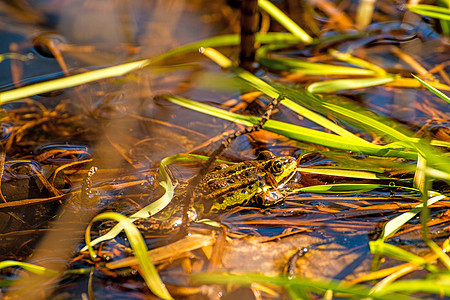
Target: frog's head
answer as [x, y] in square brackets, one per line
[282, 168]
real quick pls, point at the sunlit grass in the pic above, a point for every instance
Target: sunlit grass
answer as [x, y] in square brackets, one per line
[70, 81]
[309, 68]
[297, 132]
[148, 211]
[437, 12]
[343, 173]
[287, 22]
[140, 250]
[29, 267]
[433, 90]
[402, 141]
[298, 286]
[330, 86]
[396, 223]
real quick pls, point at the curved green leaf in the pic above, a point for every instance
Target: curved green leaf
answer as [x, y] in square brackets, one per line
[330, 86]
[139, 247]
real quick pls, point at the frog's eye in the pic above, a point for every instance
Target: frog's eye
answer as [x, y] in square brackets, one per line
[277, 167]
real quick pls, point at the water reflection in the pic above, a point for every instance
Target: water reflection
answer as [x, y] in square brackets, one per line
[5, 131]
[62, 153]
[21, 169]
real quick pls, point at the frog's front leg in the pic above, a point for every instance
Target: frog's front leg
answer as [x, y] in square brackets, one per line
[269, 198]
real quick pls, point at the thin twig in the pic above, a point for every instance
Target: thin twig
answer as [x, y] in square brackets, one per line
[188, 201]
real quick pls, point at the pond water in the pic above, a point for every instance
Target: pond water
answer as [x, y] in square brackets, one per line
[124, 126]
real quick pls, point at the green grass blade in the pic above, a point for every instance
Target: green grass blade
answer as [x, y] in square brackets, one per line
[295, 284]
[320, 120]
[342, 173]
[379, 125]
[342, 188]
[330, 86]
[12, 55]
[211, 110]
[29, 267]
[438, 286]
[145, 212]
[357, 62]
[445, 25]
[356, 116]
[368, 122]
[381, 248]
[308, 68]
[120, 70]
[441, 174]
[187, 244]
[139, 247]
[229, 40]
[272, 92]
[395, 224]
[296, 107]
[441, 13]
[294, 131]
[158, 205]
[284, 20]
[71, 81]
[334, 141]
[433, 90]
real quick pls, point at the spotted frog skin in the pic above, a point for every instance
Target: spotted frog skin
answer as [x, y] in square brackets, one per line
[228, 186]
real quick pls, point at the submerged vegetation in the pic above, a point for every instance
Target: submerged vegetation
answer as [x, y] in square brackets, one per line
[367, 208]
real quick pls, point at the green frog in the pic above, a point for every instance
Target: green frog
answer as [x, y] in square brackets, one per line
[232, 185]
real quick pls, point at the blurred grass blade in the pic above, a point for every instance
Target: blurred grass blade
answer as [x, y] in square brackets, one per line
[343, 188]
[342, 173]
[381, 248]
[122, 69]
[71, 81]
[308, 68]
[357, 116]
[401, 82]
[330, 86]
[364, 14]
[367, 121]
[229, 40]
[437, 285]
[419, 180]
[91, 294]
[12, 55]
[432, 11]
[158, 205]
[296, 285]
[357, 62]
[175, 249]
[438, 173]
[395, 224]
[139, 247]
[284, 20]
[295, 132]
[272, 92]
[147, 211]
[29, 267]
[445, 25]
[433, 90]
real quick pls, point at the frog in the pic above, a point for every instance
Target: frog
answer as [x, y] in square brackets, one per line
[257, 181]
[227, 186]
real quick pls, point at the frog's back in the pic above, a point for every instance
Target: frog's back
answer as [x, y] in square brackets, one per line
[228, 187]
